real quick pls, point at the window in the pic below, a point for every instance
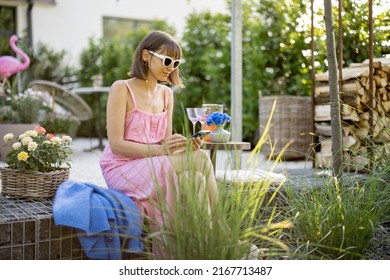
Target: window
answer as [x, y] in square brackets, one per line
[47, 1]
[7, 28]
[114, 28]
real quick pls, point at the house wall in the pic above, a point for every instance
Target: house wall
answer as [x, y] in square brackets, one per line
[69, 24]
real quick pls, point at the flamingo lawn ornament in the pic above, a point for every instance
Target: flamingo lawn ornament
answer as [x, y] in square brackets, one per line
[10, 65]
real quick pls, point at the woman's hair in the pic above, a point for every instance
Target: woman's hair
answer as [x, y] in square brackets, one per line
[156, 41]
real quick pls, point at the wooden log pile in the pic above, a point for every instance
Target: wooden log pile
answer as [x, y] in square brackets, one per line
[355, 113]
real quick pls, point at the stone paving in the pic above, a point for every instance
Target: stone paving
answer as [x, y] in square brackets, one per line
[85, 162]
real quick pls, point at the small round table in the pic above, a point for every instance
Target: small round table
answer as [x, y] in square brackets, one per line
[229, 146]
[98, 91]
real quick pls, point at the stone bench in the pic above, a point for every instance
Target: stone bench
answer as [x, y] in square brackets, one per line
[28, 232]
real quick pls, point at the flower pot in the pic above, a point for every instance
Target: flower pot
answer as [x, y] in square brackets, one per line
[16, 129]
[219, 135]
[31, 185]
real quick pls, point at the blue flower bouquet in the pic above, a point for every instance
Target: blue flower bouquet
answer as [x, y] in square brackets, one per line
[218, 118]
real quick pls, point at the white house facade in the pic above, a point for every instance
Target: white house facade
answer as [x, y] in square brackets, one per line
[69, 24]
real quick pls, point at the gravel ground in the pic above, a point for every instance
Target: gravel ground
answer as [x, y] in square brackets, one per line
[380, 249]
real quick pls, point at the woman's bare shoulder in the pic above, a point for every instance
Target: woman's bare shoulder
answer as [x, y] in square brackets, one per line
[118, 89]
[165, 88]
[118, 84]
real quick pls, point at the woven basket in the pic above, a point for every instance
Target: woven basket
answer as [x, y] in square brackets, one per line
[291, 121]
[34, 185]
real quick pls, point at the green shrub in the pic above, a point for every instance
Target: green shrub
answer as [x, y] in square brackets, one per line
[21, 108]
[60, 124]
[336, 220]
[48, 64]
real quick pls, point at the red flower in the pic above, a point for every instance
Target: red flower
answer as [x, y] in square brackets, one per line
[49, 136]
[40, 130]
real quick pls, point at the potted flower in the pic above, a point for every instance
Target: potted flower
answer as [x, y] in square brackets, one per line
[218, 118]
[18, 113]
[37, 164]
[219, 134]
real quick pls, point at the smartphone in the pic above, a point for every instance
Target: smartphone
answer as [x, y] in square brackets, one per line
[200, 133]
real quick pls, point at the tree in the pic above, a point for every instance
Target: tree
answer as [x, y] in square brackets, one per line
[206, 67]
[273, 60]
[337, 151]
[355, 32]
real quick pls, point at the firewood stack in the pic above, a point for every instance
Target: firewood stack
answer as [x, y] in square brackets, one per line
[355, 112]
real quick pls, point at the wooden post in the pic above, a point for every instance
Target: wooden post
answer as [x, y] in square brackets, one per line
[313, 82]
[370, 74]
[236, 70]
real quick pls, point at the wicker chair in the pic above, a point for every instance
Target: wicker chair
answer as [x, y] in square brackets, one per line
[62, 97]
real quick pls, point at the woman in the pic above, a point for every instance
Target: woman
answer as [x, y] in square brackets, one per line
[143, 158]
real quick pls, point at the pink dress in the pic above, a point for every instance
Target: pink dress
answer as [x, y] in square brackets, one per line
[142, 178]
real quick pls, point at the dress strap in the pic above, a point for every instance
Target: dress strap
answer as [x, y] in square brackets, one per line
[165, 99]
[131, 93]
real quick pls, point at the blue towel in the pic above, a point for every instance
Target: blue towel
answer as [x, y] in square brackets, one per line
[101, 216]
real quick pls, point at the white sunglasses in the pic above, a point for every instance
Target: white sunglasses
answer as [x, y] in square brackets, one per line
[167, 61]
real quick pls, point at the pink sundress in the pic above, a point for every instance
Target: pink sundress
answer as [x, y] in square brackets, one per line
[142, 178]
